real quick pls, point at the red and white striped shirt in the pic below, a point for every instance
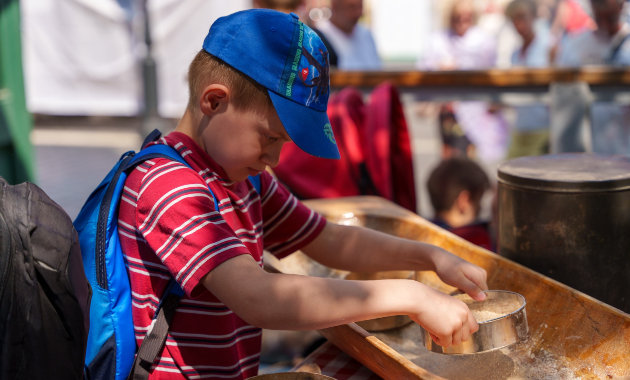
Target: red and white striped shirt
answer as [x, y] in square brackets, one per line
[169, 228]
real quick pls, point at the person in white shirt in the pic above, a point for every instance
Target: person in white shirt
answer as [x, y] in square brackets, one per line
[352, 42]
[462, 45]
[609, 44]
[465, 46]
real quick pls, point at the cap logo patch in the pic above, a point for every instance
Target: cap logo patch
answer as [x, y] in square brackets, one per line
[296, 61]
[329, 133]
[321, 81]
[305, 78]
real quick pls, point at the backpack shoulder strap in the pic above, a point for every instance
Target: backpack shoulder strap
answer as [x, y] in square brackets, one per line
[162, 151]
[255, 180]
[153, 342]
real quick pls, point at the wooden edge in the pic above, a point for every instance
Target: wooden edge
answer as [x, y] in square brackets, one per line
[374, 354]
[512, 77]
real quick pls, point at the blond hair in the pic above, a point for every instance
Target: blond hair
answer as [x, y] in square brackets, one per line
[205, 69]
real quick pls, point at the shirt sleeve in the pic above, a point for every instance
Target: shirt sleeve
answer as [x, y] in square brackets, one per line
[288, 224]
[177, 218]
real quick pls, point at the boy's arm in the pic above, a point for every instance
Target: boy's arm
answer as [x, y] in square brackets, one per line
[360, 249]
[284, 301]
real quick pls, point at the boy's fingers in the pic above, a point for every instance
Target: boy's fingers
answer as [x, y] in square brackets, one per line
[473, 326]
[473, 290]
[444, 342]
[474, 284]
[458, 335]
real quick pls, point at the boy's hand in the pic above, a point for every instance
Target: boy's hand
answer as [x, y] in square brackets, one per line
[447, 319]
[461, 274]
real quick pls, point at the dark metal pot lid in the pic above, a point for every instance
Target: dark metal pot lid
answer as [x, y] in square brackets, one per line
[567, 172]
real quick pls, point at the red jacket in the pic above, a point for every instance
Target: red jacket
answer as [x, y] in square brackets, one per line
[374, 146]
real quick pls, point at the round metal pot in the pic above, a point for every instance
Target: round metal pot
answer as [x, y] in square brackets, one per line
[567, 216]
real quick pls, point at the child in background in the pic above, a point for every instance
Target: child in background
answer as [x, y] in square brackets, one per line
[456, 187]
[260, 81]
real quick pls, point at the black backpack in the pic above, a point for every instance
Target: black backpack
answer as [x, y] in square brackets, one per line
[44, 295]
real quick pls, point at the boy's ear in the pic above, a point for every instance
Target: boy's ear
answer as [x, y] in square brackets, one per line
[213, 98]
[463, 200]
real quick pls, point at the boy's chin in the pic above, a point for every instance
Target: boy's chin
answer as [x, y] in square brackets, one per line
[238, 177]
[241, 175]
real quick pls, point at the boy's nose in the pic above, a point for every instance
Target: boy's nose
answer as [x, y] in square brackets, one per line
[272, 156]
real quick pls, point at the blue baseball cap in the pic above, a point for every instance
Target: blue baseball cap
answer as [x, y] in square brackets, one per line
[289, 59]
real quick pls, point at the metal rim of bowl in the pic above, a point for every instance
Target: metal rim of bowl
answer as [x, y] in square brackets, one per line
[517, 327]
[518, 295]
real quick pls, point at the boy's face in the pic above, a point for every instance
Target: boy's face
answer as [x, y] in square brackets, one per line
[244, 143]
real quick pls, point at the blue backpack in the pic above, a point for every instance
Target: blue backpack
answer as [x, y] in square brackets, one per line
[111, 345]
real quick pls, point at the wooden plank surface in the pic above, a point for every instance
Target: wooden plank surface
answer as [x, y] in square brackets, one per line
[591, 337]
[375, 354]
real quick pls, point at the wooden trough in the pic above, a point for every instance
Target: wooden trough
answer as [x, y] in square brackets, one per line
[571, 335]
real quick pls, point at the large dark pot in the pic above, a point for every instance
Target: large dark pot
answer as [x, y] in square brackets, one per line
[567, 216]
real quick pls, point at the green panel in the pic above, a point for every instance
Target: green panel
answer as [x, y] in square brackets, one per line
[16, 152]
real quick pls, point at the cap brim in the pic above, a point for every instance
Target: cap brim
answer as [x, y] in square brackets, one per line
[309, 129]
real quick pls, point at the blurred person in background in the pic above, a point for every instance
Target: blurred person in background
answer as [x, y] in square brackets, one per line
[569, 18]
[287, 6]
[456, 188]
[351, 42]
[608, 44]
[493, 20]
[462, 45]
[530, 135]
[465, 46]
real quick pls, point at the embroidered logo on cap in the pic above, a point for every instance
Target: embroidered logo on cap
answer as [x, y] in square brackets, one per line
[329, 133]
[305, 79]
[321, 81]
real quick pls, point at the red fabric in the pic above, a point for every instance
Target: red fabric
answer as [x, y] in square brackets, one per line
[577, 18]
[374, 146]
[389, 161]
[313, 177]
[169, 228]
[477, 234]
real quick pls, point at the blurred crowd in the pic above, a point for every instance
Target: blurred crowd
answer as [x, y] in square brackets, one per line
[473, 34]
[475, 134]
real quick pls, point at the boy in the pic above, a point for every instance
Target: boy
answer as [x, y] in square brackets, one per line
[260, 81]
[456, 187]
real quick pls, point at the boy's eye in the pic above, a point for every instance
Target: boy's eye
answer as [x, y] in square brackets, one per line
[271, 138]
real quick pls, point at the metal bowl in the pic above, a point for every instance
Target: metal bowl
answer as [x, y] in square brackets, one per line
[502, 321]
